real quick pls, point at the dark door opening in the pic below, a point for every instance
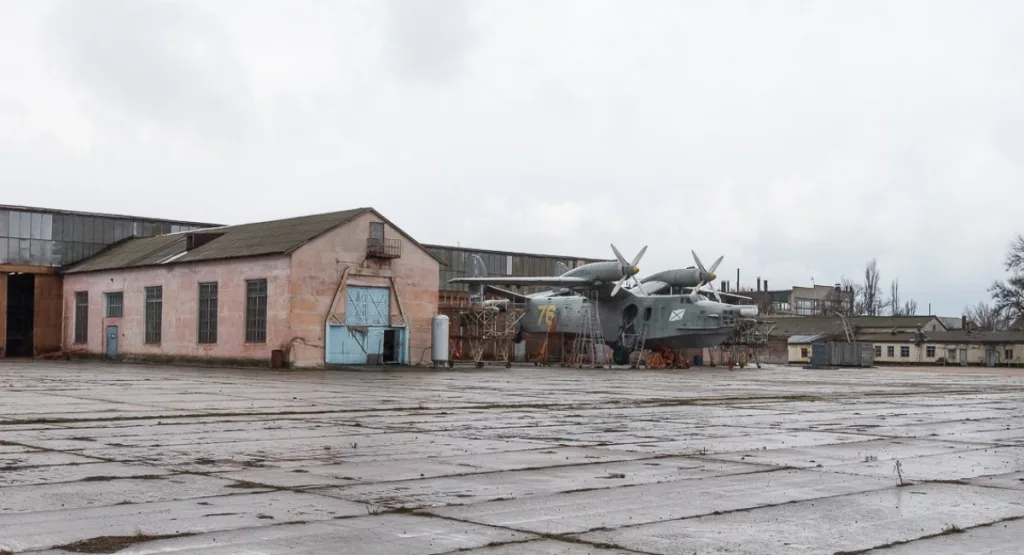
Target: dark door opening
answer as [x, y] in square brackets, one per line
[21, 291]
[389, 351]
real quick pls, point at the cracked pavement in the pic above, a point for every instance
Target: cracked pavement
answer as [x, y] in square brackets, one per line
[155, 459]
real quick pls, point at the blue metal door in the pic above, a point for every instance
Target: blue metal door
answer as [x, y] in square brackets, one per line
[111, 342]
[344, 346]
[368, 306]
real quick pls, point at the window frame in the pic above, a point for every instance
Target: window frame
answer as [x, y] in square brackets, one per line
[904, 351]
[207, 312]
[108, 305]
[930, 351]
[255, 329]
[81, 318]
[153, 332]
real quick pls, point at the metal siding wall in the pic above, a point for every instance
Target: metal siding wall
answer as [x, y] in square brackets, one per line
[53, 239]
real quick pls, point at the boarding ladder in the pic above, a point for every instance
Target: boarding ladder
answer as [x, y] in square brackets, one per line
[588, 347]
[637, 346]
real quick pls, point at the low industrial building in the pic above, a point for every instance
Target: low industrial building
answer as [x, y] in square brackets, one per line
[346, 287]
[41, 247]
[35, 243]
[976, 348]
[793, 336]
[816, 300]
[904, 340]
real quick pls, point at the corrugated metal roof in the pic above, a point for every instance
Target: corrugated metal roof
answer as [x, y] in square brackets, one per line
[237, 241]
[800, 325]
[42, 210]
[958, 336]
[891, 321]
[805, 339]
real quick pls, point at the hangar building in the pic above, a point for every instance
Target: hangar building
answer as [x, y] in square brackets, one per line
[345, 287]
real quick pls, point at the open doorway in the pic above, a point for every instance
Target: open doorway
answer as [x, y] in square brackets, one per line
[389, 354]
[21, 292]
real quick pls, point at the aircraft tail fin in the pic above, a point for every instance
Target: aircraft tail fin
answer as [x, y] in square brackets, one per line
[560, 268]
[476, 268]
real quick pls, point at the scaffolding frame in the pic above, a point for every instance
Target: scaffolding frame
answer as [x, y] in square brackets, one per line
[481, 333]
[748, 342]
[588, 346]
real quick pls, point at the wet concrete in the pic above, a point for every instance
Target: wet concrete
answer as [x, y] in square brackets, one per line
[509, 462]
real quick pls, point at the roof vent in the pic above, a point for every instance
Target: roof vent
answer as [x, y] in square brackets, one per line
[195, 240]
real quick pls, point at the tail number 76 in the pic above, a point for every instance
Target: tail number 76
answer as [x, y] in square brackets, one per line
[545, 314]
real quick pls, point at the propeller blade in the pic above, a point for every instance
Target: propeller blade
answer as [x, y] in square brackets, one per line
[718, 298]
[622, 260]
[618, 285]
[699, 263]
[637, 287]
[639, 255]
[715, 265]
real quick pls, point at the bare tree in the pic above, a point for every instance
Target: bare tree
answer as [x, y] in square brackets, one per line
[985, 317]
[1009, 295]
[910, 309]
[894, 298]
[841, 301]
[854, 297]
[871, 295]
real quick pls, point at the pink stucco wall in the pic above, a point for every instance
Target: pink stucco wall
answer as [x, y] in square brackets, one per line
[180, 308]
[317, 269]
[300, 290]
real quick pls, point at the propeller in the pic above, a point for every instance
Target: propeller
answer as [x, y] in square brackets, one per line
[707, 277]
[629, 270]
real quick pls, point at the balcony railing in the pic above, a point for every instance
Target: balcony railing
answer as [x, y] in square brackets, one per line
[383, 248]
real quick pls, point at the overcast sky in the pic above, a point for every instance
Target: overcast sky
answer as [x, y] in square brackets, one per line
[799, 139]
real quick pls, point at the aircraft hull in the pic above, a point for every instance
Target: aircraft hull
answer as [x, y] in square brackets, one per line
[691, 339]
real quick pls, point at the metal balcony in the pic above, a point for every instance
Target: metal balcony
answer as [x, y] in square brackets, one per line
[383, 248]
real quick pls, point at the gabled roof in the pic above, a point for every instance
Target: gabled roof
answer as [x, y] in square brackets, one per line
[276, 237]
[806, 339]
[892, 321]
[832, 325]
[951, 322]
[957, 336]
[806, 325]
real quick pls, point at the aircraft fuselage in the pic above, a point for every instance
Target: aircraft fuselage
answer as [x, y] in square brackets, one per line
[674, 322]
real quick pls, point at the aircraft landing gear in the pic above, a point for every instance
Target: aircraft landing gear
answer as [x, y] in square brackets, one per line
[620, 354]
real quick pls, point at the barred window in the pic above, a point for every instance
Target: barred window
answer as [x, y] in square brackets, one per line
[154, 313]
[208, 312]
[256, 311]
[115, 304]
[81, 317]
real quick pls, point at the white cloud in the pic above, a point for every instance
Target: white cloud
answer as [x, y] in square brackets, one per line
[798, 139]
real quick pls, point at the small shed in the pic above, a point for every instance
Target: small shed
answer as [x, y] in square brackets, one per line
[801, 347]
[844, 353]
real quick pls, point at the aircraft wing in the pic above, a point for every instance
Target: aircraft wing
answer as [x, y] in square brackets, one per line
[650, 287]
[721, 293]
[510, 295]
[541, 281]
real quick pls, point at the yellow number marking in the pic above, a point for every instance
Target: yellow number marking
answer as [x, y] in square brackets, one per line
[545, 314]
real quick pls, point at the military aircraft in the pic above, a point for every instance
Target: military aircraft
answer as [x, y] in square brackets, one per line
[674, 321]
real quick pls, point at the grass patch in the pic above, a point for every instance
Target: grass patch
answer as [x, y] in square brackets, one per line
[113, 544]
[112, 478]
[248, 485]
